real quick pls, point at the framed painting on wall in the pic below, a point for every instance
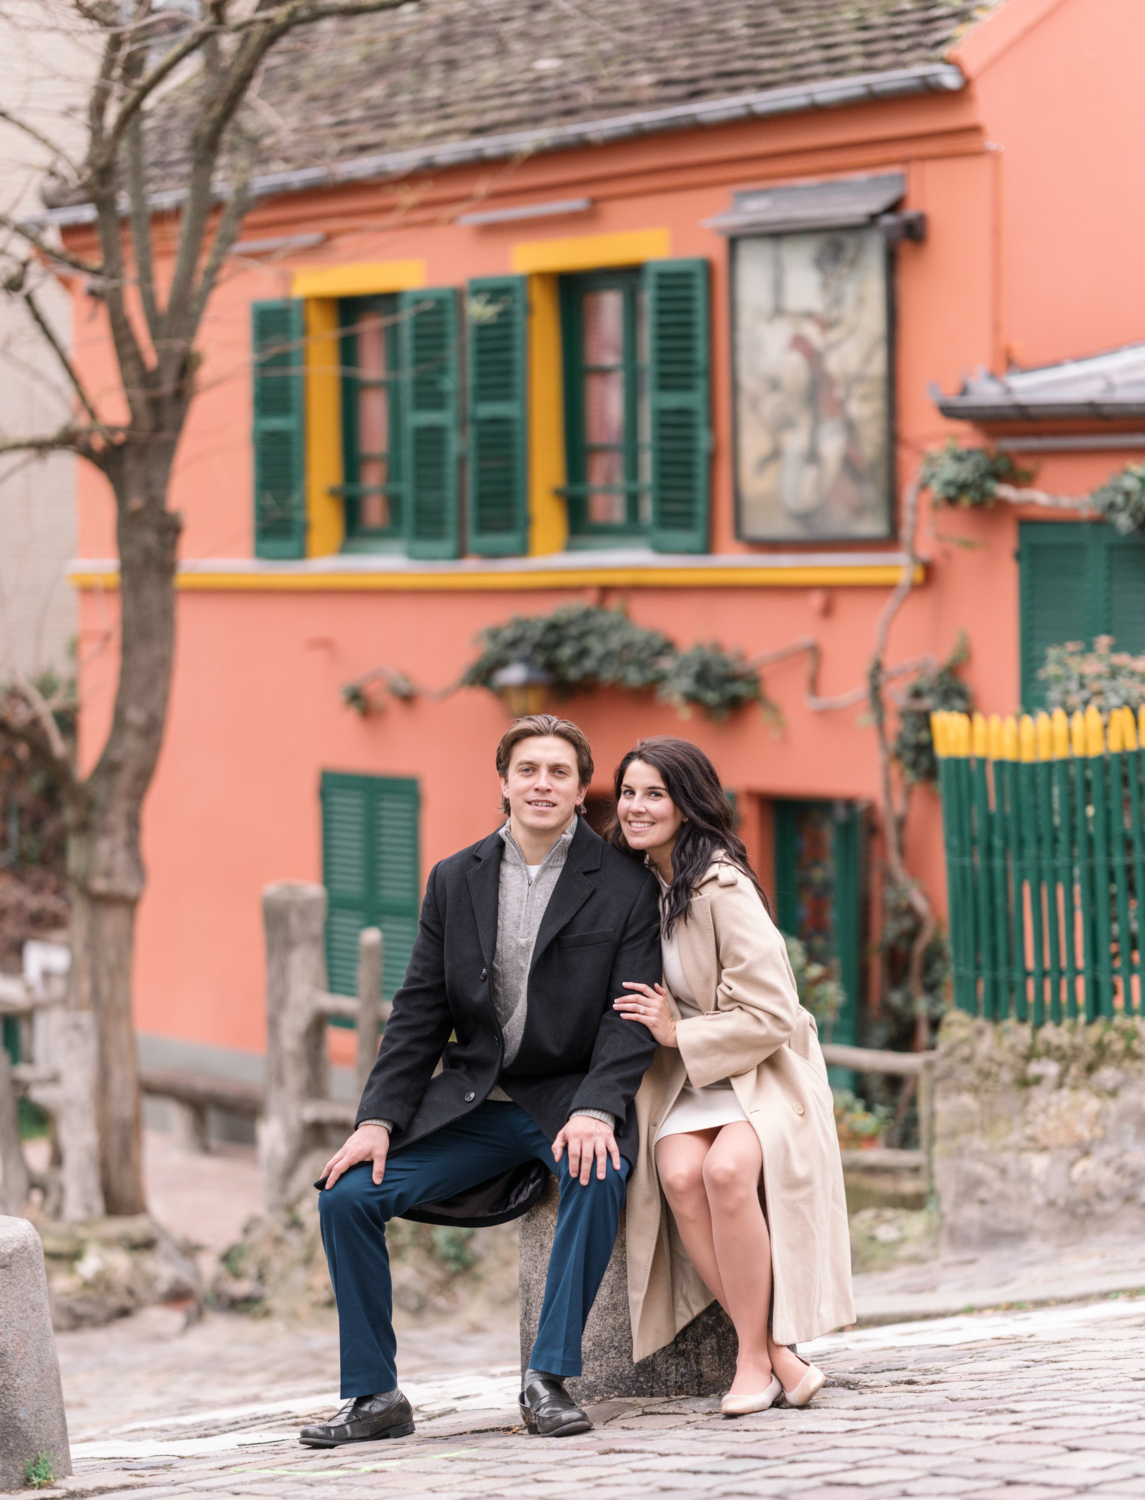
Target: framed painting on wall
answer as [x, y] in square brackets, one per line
[812, 365]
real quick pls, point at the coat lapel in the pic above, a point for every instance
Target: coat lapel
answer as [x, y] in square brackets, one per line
[572, 889]
[484, 892]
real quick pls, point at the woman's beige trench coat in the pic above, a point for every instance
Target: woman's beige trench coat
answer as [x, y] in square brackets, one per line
[753, 1031]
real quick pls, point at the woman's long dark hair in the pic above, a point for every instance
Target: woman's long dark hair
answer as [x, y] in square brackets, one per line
[693, 785]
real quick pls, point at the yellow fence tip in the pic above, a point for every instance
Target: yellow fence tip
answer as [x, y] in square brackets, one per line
[1116, 732]
[1077, 732]
[979, 736]
[994, 737]
[962, 733]
[1009, 738]
[1027, 739]
[938, 732]
[1045, 730]
[1141, 725]
[1060, 734]
[1094, 732]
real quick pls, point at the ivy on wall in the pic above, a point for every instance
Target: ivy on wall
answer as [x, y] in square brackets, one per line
[580, 647]
[977, 478]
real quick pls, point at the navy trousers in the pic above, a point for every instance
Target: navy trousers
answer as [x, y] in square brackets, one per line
[495, 1137]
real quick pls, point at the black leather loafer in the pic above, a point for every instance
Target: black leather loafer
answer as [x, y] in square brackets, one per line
[365, 1419]
[548, 1410]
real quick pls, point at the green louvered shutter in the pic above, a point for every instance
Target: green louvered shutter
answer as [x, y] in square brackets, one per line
[279, 459]
[498, 482]
[370, 867]
[1125, 590]
[428, 358]
[394, 826]
[1059, 600]
[679, 403]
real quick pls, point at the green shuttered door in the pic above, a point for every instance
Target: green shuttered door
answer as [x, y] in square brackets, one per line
[1077, 581]
[498, 484]
[279, 461]
[370, 868]
[679, 399]
[427, 341]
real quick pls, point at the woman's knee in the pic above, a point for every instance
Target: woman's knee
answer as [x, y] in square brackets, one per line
[730, 1180]
[681, 1180]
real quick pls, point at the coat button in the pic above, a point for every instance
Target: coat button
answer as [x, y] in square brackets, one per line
[798, 1108]
[484, 973]
[469, 1098]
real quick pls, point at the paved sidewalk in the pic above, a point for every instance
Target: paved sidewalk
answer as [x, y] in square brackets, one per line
[1006, 1406]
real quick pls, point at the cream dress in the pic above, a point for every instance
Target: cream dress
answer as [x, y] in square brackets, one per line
[695, 1109]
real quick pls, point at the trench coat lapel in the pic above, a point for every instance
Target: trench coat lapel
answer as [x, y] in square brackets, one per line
[572, 890]
[484, 891]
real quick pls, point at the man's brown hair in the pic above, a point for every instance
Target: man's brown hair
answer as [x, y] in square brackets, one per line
[540, 724]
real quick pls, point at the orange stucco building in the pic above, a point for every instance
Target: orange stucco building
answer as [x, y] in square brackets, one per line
[666, 336]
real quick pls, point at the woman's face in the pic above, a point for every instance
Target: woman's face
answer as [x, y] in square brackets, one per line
[649, 819]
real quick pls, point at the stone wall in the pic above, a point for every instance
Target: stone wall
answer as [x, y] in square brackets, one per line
[1039, 1135]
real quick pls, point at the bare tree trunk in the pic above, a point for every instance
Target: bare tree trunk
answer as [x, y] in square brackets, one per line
[104, 857]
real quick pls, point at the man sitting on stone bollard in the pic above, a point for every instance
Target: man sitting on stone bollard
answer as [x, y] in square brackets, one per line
[525, 940]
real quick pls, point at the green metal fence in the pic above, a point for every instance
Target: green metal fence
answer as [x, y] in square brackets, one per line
[1045, 859]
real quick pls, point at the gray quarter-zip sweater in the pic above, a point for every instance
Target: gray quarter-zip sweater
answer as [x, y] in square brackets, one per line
[521, 902]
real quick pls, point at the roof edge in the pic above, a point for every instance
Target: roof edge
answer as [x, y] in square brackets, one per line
[860, 88]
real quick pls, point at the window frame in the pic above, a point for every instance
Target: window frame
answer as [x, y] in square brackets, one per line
[582, 533]
[356, 538]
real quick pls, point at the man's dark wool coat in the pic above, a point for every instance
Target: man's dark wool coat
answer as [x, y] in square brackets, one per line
[601, 927]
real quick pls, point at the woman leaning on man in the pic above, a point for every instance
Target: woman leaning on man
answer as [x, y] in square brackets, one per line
[738, 1192]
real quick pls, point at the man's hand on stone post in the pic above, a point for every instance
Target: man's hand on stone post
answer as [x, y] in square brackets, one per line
[368, 1143]
[587, 1140]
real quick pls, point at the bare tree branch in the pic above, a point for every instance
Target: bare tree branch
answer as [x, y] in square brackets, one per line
[30, 235]
[226, 234]
[42, 712]
[79, 440]
[58, 152]
[141, 228]
[49, 334]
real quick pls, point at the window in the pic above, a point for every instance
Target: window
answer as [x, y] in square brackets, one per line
[637, 435]
[818, 865]
[370, 867]
[1077, 580]
[604, 327]
[371, 424]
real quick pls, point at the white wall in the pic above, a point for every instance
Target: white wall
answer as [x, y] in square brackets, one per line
[44, 68]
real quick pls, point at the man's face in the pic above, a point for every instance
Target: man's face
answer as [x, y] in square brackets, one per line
[542, 786]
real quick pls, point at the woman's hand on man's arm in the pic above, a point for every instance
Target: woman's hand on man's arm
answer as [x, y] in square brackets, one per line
[648, 1004]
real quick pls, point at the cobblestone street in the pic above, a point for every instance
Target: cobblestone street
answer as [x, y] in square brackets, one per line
[1024, 1405]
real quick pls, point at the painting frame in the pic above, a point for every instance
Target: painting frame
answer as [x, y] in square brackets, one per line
[792, 536]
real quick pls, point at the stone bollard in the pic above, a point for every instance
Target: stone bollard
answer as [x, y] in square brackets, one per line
[72, 1050]
[32, 1424]
[699, 1362]
[294, 914]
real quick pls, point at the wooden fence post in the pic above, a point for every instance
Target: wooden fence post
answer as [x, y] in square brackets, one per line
[72, 1048]
[294, 914]
[371, 950]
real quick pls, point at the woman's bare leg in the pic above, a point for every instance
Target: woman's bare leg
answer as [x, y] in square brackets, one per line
[680, 1167]
[680, 1163]
[742, 1246]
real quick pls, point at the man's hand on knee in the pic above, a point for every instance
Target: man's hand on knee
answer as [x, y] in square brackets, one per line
[588, 1140]
[368, 1143]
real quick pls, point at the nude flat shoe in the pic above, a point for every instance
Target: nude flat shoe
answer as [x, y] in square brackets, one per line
[742, 1406]
[809, 1386]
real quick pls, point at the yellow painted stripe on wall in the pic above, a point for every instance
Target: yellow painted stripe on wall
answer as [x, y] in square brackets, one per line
[548, 512]
[592, 252]
[497, 580]
[363, 280]
[325, 514]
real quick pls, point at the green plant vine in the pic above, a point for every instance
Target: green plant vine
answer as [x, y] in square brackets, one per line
[581, 647]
